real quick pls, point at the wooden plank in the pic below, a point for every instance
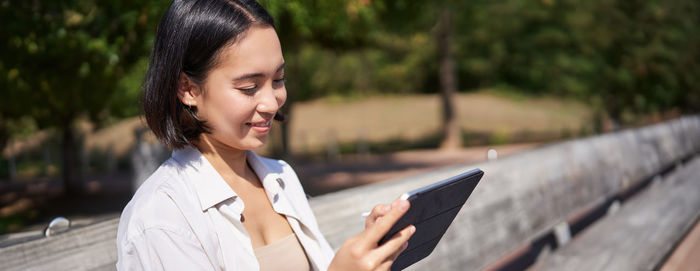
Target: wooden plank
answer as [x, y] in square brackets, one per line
[641, 234]
[520, 197]
[88, 248]
[525, 195]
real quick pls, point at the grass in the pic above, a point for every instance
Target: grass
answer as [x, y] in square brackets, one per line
[415, 118]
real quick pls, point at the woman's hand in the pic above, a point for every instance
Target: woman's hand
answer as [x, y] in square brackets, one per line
[361, 251]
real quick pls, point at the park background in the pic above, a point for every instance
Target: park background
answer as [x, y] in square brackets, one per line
[378, 89]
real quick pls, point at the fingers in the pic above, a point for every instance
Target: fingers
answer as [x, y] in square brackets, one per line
[378, 211]
[382, 226]
[385, 265]
[362, 252]
[396, 254]
[390, 250]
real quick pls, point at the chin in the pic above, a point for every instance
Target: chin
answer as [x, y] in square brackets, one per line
[257, 144]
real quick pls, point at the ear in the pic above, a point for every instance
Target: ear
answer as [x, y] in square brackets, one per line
[187, 91]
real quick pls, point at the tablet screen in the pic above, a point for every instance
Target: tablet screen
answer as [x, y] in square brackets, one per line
[433, 208]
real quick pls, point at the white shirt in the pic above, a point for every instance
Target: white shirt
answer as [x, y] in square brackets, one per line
[186, 217]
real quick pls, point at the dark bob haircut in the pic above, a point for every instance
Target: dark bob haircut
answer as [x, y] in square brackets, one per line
[189, 38]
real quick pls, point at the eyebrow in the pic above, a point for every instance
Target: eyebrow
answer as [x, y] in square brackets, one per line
[253, 75]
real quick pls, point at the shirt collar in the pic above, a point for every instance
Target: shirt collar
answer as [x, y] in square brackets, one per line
[271, 174]
[212, 189]
[210, 186]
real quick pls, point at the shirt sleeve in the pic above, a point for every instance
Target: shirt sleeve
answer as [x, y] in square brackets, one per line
[159, 249]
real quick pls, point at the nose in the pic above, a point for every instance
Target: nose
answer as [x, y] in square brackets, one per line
[270, 101]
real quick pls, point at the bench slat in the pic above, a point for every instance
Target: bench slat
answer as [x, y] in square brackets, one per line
[88, 248]
[641, 233]
[519, 198]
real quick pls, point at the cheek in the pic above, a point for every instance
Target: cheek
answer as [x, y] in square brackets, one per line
[282, 97]
[227, 113]
[237, 111]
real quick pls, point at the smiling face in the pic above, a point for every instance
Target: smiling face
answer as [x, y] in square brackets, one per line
[242, 93]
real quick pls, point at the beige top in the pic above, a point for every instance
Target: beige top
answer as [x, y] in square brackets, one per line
[284, 254]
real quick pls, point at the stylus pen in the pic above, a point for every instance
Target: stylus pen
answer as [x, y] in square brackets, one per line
[365, 214]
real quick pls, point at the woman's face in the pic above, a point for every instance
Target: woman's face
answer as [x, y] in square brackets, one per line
[242, 93]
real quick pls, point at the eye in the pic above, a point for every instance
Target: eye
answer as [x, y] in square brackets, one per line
[280, 81]
[249, 90]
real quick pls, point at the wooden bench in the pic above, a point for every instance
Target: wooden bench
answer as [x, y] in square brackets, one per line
[523, 198]
[642, 233]
[513, 212]
[87, 248]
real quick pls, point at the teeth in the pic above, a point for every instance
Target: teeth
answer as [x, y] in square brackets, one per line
[262, 124]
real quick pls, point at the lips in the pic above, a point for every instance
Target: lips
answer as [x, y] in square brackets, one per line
[261, 124]
[260, 127]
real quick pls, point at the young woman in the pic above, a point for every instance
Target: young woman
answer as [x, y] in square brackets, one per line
[214, 85]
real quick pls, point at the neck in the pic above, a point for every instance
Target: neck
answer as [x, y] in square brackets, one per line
[229, 162]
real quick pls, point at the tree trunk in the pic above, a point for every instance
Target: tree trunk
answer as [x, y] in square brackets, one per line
[11, 161]
[6, 143]
[72, 181]
[285, 151]
[614, 111]
[4, 133]
[287, 111]
[285, 140]
[280, 140]
[448, 82]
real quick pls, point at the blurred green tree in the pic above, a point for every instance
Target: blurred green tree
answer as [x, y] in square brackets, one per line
[303, 24]
[626, 58]
[442, 20]
[62, 59]
[391, 27]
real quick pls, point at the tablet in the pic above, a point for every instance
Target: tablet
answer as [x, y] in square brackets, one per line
[433, 207]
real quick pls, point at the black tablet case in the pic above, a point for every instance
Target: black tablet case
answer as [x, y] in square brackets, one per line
[433, 212]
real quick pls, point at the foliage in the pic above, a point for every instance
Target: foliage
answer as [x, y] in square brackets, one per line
[61, 59]
[623, 57]
[67, 58]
